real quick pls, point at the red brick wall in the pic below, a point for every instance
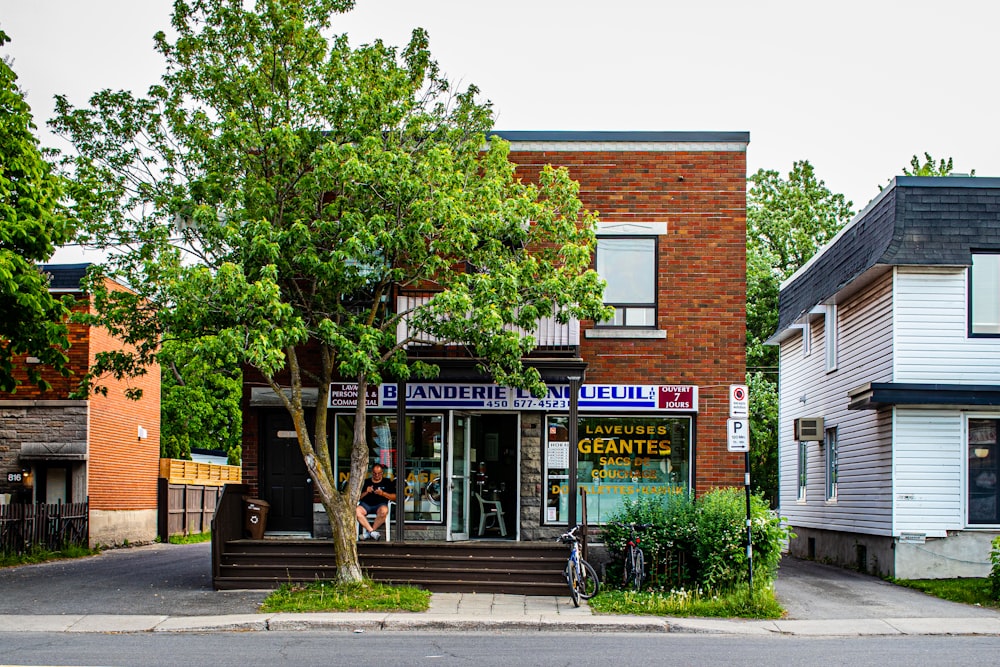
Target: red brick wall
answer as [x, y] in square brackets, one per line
[121, 469]
[79, 354]
[701, 196]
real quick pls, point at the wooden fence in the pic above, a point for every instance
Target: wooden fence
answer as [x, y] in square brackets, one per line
[188, 493]
[53, 527]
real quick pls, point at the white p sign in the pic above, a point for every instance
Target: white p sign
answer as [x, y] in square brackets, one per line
[739, 435]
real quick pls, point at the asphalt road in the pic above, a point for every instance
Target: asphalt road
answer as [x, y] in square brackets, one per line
[166, 579]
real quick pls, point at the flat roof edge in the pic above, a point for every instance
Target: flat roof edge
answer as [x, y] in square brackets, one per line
[622, 136]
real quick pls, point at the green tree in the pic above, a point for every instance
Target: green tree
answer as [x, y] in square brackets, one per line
[788, 220]
[930, 168]
[199, 403]
[275, 191]
[32, 224]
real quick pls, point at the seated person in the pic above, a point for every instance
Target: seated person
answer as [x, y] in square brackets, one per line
[375, 497]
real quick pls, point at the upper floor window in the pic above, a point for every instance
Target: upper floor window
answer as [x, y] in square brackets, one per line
[628, 264]
[984, 295]
[830, 334]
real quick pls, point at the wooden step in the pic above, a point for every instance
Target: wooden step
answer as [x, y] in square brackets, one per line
[488, 567]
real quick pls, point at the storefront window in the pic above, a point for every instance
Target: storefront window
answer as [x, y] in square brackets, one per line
[423, 458]
[617, 458]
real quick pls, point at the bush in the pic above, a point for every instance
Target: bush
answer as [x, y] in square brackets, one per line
[699, 545]
[995, 570]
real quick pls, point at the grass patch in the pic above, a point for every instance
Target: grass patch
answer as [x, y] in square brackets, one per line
[968, 590]
[330, 596]
[736, 604]
[190, 539]
[39, 555]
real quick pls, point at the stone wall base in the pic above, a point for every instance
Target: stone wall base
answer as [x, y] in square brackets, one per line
[118, 527]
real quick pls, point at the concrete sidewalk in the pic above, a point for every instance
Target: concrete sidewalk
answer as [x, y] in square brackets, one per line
[492, 613]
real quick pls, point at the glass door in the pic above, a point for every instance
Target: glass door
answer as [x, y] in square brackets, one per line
[458, 476]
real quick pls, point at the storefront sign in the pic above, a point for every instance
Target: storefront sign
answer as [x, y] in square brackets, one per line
[345, 395]
[483, 397]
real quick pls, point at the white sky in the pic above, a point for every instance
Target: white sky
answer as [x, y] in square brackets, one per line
[856, 88]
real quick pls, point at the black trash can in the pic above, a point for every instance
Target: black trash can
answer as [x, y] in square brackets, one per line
[254, 517]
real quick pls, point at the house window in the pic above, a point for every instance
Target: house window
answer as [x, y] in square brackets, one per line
[831, 337]
[803, 468]
[628, 264]
[984, 469]
[832, 454]
[984, 295]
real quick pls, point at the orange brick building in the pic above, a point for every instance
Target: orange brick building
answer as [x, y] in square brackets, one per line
[636, 407]
[54, 448]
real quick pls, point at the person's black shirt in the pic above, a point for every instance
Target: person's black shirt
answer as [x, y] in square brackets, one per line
[372, 498]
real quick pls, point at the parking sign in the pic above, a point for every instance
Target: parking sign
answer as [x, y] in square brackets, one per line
[739, 435]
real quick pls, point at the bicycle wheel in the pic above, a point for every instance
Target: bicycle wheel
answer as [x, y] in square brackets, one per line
[628, 567]
[638, 569]
[588, 584]
[571, 580]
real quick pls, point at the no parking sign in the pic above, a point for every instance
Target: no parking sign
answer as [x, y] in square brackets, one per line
[739, 401]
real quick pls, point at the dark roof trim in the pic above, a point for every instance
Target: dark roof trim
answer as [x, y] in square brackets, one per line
[875, 395]
[954, 181]
[65, 277]
[626, 136]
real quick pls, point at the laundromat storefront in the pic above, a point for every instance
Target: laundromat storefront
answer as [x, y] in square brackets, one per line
[505, 445]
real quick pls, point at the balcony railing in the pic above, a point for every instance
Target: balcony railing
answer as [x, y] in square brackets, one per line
[549, 333]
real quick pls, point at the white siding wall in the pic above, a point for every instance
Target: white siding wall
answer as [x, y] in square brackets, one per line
[928, 462]
[932, 343]
[864, 502]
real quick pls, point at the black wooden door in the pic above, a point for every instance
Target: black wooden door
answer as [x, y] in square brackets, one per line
[284, 480]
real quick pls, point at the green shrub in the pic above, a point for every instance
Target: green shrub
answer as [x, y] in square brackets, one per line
[698, 545]
[995, 570]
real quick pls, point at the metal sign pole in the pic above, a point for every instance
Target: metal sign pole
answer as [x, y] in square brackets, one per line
[746, 482]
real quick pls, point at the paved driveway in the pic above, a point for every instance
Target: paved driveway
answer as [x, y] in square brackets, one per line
[813, 591]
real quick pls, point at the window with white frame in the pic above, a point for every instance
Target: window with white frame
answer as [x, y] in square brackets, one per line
[983, 472]
[830, 337]
[628, 264]
[984, 295]
[832, 453]
[803, 468]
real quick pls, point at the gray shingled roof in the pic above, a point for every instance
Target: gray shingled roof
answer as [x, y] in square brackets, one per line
[916, 221]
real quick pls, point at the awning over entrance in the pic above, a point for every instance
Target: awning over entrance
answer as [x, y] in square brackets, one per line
[54, 451]
[875, 395]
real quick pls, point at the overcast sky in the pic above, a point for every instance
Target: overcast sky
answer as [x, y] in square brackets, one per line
[856, 88]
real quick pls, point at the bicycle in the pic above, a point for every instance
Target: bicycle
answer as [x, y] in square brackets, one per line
[634, 560]
[581, 577]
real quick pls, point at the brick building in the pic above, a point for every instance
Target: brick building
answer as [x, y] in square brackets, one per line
[54, 448]
[636, 407]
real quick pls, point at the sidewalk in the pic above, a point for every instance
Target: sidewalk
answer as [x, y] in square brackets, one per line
[489, 612]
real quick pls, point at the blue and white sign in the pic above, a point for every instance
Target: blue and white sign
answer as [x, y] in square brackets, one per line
[489, 397]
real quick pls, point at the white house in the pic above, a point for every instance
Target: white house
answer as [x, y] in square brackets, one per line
[890, 385]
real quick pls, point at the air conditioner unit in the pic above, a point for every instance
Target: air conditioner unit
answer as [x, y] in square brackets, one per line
[809, 428]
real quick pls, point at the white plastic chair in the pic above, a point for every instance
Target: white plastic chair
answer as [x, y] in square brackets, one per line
[386, 527]
[490, 516]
